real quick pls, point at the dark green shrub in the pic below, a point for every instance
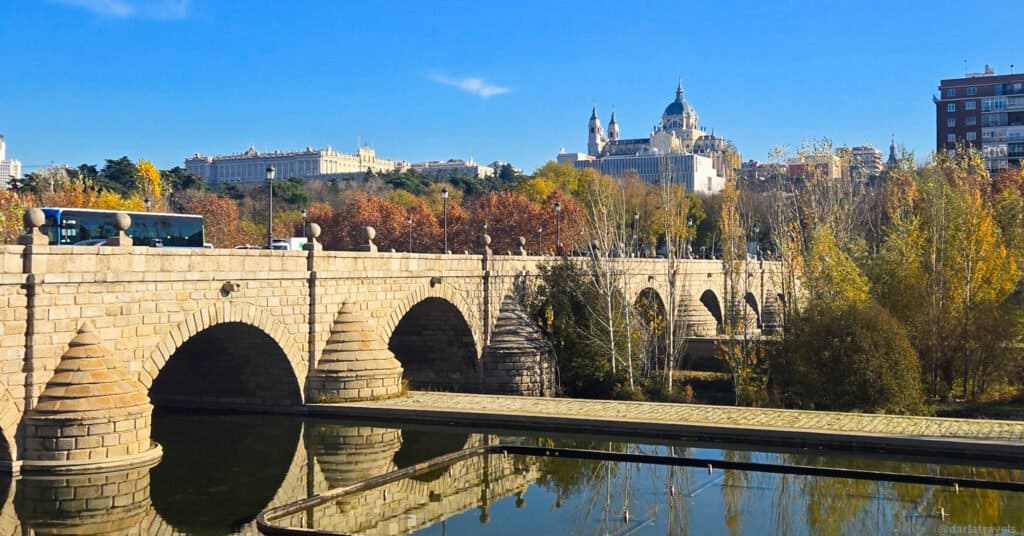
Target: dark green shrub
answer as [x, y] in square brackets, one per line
[847, 357]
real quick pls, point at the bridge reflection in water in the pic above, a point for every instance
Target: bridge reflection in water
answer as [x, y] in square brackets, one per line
[220, 471]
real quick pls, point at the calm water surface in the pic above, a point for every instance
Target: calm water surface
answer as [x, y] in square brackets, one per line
[219, 471]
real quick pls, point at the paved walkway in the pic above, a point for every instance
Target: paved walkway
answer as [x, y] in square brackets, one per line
[1004, 439]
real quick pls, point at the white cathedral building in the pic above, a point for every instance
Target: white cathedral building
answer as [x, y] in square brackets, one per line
[677, 150]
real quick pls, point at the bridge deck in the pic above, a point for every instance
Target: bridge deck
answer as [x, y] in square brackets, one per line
[1003, 440]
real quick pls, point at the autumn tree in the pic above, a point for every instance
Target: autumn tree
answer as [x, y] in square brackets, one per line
[364, 210]
[507, 215]
[149, 182]
[552, 176]
[12, 211]
[223, 226]
[426, 230]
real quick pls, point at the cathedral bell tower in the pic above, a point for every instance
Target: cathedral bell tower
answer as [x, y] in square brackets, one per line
[613, 129]
[893, 162]
[595, 139]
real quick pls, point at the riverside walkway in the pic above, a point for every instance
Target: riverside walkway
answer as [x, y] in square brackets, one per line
[975, 438]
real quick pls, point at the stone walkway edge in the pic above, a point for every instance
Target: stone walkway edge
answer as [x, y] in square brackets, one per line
[974, 438]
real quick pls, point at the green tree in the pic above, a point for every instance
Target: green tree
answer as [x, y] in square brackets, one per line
[27, 184]
[507, 176]
[848, 356]
[292, 191]
[565, 305]
[179, 179]
[117, 176]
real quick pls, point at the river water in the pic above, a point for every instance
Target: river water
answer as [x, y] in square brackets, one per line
[220, 470]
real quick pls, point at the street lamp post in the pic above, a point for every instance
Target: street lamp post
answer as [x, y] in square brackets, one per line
[149, 203]
[636, 241]
[540, 230]
[304, 237]
[444, 212]
[757, 243]
[409, 221]
[270, 203]
[689, 250]
[558, 228]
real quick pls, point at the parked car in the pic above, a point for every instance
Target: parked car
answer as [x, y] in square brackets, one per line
[91, 242]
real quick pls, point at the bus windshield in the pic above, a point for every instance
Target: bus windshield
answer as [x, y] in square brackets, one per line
[68, 226]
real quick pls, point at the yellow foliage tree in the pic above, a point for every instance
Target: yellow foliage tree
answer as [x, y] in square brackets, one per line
[537, 189]
[108, 200]
[403, 198]
[73, 194]
[148, 180]
[830, 274]
[12, 209]
[566, 177]
[434, 202]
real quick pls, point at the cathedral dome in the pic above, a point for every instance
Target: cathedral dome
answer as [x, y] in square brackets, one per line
[679, 106]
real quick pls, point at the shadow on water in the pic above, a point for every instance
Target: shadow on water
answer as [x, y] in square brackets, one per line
[219, 471]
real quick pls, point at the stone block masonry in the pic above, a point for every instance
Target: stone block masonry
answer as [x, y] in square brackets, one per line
[262, 331]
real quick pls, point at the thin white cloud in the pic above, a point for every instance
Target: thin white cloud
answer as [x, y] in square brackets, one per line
[124, 9]
[471, 84]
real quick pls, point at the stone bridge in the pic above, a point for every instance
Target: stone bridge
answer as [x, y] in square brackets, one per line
[90, 332]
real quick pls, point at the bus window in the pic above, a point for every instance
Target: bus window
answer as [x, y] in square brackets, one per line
[68, 226]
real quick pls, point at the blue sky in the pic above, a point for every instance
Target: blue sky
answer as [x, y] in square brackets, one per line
[86, 80]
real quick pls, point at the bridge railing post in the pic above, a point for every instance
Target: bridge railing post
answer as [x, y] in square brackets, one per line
[312, 230]
[369, 233]
[32, 238]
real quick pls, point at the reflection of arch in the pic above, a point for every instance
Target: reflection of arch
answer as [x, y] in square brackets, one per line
[227, 365]
[251, 452]
[436, 347]
[422, 445]
[710, 301]
[220, 313]
[474, 482]
[444, 292]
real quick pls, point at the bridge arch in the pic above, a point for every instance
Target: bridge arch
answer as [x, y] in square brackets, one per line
[442, 291]
[651, 296]
[652, 316]
[751, 302]
[713, 305]
[10, 417]
[436, 347]
[228, 331]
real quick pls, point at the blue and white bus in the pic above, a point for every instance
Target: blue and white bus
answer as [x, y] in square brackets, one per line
[69, 226]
